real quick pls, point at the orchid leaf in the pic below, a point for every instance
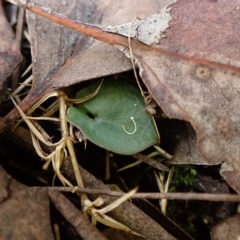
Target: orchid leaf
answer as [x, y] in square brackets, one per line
[114, 119]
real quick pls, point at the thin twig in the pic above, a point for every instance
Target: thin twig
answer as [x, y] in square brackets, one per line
[217, 197]
[81, 27]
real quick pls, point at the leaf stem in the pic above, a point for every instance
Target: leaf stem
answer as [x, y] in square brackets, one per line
[84, 28]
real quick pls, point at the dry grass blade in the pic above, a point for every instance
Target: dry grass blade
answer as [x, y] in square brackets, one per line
[163, 187]
[117, 202]
[81, 100]
[33, 128]
[98, 215]
[151, 162]
[58, 154]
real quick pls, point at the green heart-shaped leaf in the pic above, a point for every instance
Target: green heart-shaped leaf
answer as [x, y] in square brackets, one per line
[114, 119]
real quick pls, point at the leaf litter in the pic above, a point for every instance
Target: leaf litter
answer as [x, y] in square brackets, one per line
[23, 212]
[199, 72]
[58, 52]
[171, 76]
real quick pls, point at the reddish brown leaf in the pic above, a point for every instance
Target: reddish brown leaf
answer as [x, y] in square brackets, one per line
[227, 230]
[24, 214]
[194, 76]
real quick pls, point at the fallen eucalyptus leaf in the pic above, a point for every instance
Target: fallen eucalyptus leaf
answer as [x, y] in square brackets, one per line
[114, 119]
[8, 62]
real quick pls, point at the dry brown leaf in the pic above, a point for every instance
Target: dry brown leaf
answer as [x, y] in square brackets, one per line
[7, 40]
[227, 230]
[89, 58]
[24, 214]
[8, 62]
[62, 57]
[194, 76]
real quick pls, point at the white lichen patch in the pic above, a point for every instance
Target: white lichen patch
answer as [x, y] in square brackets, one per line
[124, 29]
[149, 31]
